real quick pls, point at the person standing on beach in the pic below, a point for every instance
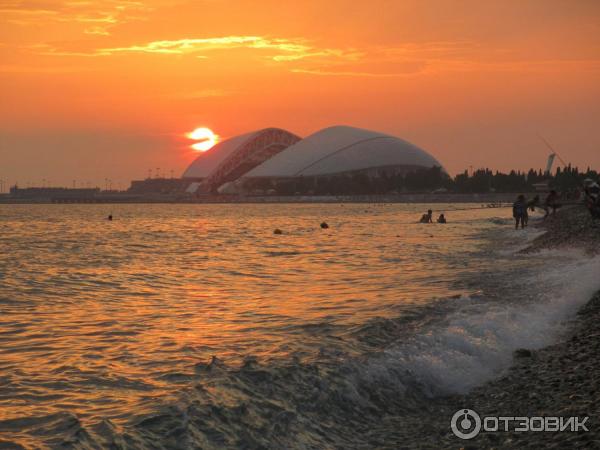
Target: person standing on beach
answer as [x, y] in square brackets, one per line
[592, 197]
[520, 211]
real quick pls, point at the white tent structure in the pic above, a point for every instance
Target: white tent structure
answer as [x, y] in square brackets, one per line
[342, 149]
[236, 164]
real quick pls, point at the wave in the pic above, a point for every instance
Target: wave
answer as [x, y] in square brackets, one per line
[476, 342]
[334, 399]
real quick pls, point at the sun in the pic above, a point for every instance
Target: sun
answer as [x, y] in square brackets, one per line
[204, 137]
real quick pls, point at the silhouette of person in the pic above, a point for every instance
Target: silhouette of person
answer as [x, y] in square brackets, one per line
[520, 211]
[427, 218]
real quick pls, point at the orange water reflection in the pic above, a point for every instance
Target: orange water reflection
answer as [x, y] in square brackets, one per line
[102, 319]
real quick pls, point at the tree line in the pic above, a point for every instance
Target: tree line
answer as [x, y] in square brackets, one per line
[485, 180]
[424, 180]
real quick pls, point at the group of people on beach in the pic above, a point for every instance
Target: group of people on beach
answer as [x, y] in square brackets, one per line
[428, 218]
[522, 206]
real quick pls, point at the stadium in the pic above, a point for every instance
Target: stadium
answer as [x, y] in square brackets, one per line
[334, 160]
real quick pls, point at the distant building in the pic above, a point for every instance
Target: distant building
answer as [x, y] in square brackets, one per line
[261, 161]
[230, 159]
[158, 186]
[542, 186]
[50, 193]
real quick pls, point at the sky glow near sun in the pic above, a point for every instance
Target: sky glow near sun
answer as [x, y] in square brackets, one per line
[95, 90]
[205, 138]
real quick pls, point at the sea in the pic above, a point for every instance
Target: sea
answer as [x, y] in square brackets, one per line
[196, 326]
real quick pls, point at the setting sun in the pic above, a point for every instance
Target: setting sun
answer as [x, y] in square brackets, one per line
[204, 137]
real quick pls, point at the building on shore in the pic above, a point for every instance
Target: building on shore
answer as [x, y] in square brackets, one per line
[229, 160]
[338, 160]
[276, 161]
[158, 186]
[50, 193]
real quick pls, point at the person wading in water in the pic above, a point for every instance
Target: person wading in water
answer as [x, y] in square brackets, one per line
[427, 218]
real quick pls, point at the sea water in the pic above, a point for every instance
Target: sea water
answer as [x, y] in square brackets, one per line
[195, 326]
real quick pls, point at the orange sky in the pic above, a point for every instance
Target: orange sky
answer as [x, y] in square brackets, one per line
[107, 89]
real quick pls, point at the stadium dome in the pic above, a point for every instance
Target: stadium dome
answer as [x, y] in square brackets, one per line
[232, 158]
[341, 149]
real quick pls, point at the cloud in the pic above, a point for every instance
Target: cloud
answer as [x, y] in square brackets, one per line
[302, 56]
[101, 31]
[285, 49]
[103, 13]
[275, 49]
[186, 46]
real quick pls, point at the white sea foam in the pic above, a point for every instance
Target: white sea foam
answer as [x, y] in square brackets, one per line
[475, 343]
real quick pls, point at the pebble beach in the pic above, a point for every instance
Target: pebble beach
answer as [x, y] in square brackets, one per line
[573, 227]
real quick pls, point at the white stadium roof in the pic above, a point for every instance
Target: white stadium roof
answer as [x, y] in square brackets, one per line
[208, 161]
[342, 149]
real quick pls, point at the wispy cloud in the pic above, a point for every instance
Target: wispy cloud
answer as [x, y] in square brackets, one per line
[283, 49]
[96, 17]
[276, 49]
[302, 56]
[101, 31]
[186, 46]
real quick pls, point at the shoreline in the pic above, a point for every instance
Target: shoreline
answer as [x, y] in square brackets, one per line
[559, 380]
[414, 197]
[562, 379]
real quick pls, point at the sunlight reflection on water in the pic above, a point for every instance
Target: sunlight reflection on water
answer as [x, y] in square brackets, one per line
[99, 317]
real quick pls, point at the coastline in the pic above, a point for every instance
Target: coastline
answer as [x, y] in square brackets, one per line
[562, 379]
[408, 197]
